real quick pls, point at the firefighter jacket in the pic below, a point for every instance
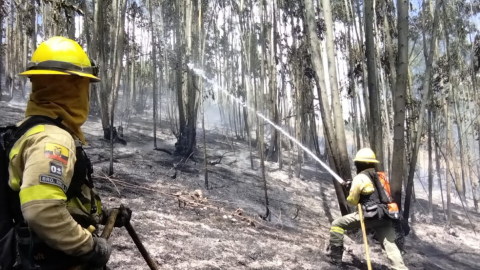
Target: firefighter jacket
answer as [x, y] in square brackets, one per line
[372, 190]
[42, 164]
[361, 185]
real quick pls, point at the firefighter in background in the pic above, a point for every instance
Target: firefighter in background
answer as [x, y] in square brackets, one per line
[58, 209]
[371, 189]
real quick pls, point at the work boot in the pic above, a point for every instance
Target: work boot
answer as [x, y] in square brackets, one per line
[335, 253]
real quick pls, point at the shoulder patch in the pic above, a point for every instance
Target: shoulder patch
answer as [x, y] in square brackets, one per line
[56, 168]
[57, 152]
[50, 180]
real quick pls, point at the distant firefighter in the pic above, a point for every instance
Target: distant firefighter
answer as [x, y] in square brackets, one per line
[371, 189]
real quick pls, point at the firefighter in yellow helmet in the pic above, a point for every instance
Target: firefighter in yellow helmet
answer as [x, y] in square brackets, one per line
[369, 188]
[56, 208]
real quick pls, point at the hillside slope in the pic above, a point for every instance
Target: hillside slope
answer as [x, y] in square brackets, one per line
[207, 232]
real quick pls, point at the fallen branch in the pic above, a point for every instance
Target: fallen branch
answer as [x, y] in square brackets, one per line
[100, 160]
[213, 163]
[105, 176]
[191, 202]
[296, 214]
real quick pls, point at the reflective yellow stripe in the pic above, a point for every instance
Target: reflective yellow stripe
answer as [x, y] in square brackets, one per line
[30, 132]
[15, 182]
[91, 229]
[41, 192]
[352, 201]
[337, 229]
[367, 189]
[35, 130]
[13, 153]
[99, 206]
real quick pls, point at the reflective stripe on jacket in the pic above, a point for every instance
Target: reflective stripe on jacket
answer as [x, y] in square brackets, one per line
[41, 168]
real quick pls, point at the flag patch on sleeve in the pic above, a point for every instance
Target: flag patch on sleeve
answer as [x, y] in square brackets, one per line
[56, 152]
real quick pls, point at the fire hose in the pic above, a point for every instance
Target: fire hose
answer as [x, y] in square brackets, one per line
[107, 231]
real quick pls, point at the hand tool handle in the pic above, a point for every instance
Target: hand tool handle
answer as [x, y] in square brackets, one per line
[105, 234]
[151, 263]
[365, 240]
[110, 224]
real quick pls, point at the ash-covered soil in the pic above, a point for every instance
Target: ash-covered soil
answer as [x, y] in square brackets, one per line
[221, 228]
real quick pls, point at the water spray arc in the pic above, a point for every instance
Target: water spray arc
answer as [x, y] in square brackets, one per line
[201, 73]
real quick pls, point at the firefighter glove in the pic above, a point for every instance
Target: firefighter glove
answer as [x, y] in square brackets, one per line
[347, 184]
[101, 252]
[123, 217]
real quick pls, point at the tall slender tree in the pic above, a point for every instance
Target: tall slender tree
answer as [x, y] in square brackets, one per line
[399, 103]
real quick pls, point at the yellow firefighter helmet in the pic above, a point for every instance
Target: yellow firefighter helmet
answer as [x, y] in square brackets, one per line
[61, 56]
[366, 155]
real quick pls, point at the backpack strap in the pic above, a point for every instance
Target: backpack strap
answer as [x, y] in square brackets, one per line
[379, 188]
[31, 122]
[82, 170]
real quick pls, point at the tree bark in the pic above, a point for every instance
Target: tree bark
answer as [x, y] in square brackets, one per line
[366, 101]
[154, 78]
[33, 36]
[426, 97]
[448, 157]
[245, 60]
[376, 138]
[316, 56]
[120, 34]
[430, 165]
[437, 165]
[261, 124]
[274, 142]
[452, 85]
[352, 83]
[337, 104]
[99, 42]
[179, 68]
[399, 104]
[298, 120]
[133, 97]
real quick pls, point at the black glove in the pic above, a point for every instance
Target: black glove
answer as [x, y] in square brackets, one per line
[100, 253]
[123, 216]
[347, 184]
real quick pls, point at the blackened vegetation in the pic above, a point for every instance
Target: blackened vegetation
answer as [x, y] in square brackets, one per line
[186, 141]
[117, 135]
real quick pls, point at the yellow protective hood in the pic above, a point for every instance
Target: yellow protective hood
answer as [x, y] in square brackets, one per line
[61, 96]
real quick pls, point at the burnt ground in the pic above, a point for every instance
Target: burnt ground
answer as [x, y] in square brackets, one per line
[206, 232]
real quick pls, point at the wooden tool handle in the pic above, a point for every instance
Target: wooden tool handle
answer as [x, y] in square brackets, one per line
[110, 224]
[107, 231]
[365, 240]
[151, 263]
